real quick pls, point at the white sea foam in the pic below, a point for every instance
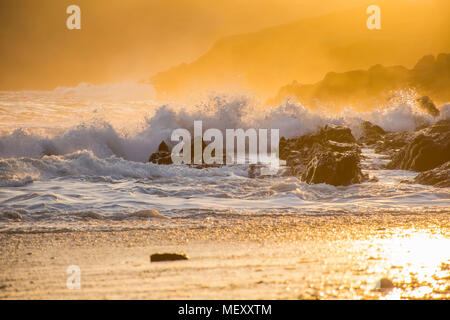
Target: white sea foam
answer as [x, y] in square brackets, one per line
[96, 167]
[293, 119]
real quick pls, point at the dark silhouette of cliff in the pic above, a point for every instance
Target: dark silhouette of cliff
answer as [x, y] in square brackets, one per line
[368, 88]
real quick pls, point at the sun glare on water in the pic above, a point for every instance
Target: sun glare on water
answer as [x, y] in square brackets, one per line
[418, 263]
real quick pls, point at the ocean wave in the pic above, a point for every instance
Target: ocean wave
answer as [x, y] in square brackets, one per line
[293, 119]
[86, 164]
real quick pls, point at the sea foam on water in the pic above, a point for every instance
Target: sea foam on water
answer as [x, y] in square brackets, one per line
[94, 167]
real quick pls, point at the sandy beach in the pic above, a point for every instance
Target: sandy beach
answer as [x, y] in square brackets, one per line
[308, 257]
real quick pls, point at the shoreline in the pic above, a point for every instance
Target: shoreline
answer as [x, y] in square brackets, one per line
[315, 257]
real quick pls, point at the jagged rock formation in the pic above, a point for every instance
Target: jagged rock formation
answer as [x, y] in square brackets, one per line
[372, 87]
[425, 149]
[333, 155]
[330, 156]
[392, 142]
[371, 134]
[334, 168]
[438, 177]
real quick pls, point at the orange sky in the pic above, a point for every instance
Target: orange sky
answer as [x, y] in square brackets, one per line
[127, 40]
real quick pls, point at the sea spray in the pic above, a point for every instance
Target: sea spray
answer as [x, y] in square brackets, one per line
[105, 139]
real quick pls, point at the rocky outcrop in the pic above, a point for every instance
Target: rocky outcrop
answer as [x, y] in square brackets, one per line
[162, 156]
[438, 177]
[371, 133]
[427, 149]
[374, 86]
[334, 168]
[337, 133]
[330, 156]
[392, 142]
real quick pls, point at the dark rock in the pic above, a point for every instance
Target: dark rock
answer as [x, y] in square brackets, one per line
[371, 133]
[428, 149]
[49, 148]
[334, 168]
[392, 142]
[162, 156]
[440, 127]
[428, 105]
[159, 257]
[438, 177]
[330, 156]
[163, 147]
[341, 147]
[385, 283]
[337, 133]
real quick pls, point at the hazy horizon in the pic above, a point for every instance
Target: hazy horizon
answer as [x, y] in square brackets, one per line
[130, 42]
[126, 41]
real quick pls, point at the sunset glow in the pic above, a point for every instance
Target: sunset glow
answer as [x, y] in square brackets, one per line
[228, 149]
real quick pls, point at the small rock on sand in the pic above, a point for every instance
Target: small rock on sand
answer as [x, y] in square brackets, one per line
[385, 283]
[158, 257]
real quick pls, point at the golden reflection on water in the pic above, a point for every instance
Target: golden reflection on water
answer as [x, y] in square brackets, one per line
[417, 262]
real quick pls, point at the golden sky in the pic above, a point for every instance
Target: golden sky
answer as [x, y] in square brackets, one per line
[127, 40]
[134, 39]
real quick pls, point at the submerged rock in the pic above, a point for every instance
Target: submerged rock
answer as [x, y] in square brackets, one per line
[438, 177]
[159, 257]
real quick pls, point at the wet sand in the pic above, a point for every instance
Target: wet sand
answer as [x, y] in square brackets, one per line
[281, 257]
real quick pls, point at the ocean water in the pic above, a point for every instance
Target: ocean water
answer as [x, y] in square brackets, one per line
[76, 159]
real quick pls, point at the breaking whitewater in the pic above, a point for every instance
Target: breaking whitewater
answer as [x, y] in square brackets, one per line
[77, 159]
